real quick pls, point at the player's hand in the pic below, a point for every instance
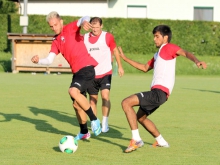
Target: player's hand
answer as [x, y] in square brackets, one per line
[86, 25]
[120, 71]
[201, 63]
[35, 59]
[121, 53]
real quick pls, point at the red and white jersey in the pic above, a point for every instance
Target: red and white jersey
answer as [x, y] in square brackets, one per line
[70, 44]
[100, 48]
[164, 63]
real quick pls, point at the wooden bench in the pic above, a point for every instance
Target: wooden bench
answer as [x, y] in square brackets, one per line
[25, 46]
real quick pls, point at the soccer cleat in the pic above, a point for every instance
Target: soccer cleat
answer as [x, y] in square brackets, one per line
[134, 145]
[105, 129]
[81, 136]
[156, 144]
[96, 127]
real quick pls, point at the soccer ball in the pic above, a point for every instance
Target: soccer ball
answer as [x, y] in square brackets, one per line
[68, 144]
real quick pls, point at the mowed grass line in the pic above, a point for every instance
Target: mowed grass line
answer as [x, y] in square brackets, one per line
[36, 111]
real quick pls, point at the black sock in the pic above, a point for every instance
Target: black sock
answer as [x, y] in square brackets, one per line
[83, 128]
[91, 115]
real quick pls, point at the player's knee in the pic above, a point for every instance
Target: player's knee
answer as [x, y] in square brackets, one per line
[124, 104]
[73, 92]
[75, 106]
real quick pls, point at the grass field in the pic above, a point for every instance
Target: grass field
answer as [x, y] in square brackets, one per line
[183, 67]
[36, 112]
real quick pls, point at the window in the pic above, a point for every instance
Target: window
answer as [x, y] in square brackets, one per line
[203, 13]
[136, 11]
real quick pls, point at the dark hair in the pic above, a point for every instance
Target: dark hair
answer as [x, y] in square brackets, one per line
[164, 31]
[96, 19]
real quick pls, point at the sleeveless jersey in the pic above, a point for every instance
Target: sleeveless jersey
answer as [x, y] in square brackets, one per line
[101, 52]
[164, 63]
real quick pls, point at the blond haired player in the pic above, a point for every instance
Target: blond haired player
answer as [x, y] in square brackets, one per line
[69, 43]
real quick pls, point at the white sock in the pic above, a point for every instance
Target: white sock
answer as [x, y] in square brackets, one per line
[135, 135]
[105, 121]
[161, 140]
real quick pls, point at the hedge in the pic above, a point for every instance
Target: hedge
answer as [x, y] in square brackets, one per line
[134, 35]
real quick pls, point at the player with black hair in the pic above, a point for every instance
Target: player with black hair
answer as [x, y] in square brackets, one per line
[163, 63]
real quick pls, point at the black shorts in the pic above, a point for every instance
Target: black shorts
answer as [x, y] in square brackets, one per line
[151, 100]
[83, 79]
[100, 84]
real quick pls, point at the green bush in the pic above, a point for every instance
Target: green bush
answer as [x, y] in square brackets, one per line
[7, 7]
[134, 35]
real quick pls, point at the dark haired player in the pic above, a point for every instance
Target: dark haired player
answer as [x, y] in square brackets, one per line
[163, 63]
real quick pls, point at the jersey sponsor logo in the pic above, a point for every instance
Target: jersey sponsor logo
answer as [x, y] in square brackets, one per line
[92, 49]
[77, 84]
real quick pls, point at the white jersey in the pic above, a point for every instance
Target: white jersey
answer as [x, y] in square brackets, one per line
[164, 68]
[101, 52]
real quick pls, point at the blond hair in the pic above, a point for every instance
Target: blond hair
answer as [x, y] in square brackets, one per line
[51, 15]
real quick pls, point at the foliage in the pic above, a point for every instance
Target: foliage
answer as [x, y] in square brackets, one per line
[134, 35]
[7, 7]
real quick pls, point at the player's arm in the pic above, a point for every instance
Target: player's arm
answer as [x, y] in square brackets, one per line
[143, 67]
[44, 61]
[118, 60]
[84, 23]
[192, 57]
[110, 41]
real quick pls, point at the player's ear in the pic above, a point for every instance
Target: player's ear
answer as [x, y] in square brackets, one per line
[61, 21]
[166, 38]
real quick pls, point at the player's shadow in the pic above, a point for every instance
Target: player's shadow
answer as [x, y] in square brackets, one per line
[113, 133]
[40, 125]
[202, 90]
[59, 116]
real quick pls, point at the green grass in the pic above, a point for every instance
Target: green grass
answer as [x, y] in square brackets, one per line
[183, 66]
[36, 112]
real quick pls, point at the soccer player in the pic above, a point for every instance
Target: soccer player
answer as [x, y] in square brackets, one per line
[101, 45]
[163, 63]
[69, 43]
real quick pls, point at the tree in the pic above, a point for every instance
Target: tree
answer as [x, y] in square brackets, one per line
[7, 7]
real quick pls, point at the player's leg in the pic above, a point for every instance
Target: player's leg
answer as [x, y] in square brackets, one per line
[93, 102]
[82, 118]
[81, 100]
[80, 83]
[147, 123]
[152, 129]
[106, 106]
[127, 105]
[150, 101]
[105, 86]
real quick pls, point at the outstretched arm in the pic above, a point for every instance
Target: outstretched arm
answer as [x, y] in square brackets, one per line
[45, 61]
[192, 57]
[137, 65]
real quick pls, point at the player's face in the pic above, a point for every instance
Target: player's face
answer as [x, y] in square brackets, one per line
[159, 39]
[96, 28]
[56, 25]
